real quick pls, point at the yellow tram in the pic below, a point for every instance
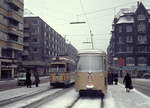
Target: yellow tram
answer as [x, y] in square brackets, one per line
[91, 75]
[62, 71]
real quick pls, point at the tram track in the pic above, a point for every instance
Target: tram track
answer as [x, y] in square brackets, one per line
[24, 98]
[47, 99]
[78, 99]
[18, 98]
[74, 102]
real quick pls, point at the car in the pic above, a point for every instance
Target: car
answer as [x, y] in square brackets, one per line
[21, 80]
[146, 76]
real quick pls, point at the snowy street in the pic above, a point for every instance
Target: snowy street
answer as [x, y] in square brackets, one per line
[116, 97]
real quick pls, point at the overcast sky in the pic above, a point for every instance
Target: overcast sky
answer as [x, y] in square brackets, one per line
[100, 13]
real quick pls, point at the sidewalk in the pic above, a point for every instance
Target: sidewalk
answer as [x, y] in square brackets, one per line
[121, 99]
[7, 94]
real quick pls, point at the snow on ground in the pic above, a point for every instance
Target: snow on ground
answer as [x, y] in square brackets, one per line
[12, 93]
[63, 101]
[22, 103]
[116, 97]
[88, 103]
[123, 99]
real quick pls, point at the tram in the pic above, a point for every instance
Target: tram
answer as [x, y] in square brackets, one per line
[91, 75]
[62, 71]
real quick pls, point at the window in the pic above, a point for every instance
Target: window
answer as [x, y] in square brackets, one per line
[129, 49]
[142, 60]
[130, 61]
[34, 40]
[128, 28]
[120, 49]
[141, 17]
[3, 36]
[129, 39]
[142, 27]
[120, 29]
[90, 63]
[120, 40]
[142, 39]
[35, 49]
[35, 22]
[142, 49]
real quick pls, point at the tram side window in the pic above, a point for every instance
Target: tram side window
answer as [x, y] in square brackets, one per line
[90, 63]
[58, 68]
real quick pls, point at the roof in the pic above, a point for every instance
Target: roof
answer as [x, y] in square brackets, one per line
[92, 51]
[125, 19]
[28, 13]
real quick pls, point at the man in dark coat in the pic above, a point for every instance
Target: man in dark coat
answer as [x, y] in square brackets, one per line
[37, 80]
[128, 82]
[28, 79]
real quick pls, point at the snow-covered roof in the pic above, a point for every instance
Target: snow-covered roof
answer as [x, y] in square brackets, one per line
[28, 13]
[92, 51]
[125, 19]
[125, 11]
[148, 10]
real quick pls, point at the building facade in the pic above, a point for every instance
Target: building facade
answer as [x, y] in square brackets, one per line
[11, 37]
[130, 40]
[41, 42]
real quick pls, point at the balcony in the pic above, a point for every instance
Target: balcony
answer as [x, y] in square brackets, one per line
[14, 31]
[3, 12]
[16, 3]
[25, 53]
[13, 45]
[3, 27]
[13, 15]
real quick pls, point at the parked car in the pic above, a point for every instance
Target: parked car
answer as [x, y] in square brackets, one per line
[146, 76]
[21, 80]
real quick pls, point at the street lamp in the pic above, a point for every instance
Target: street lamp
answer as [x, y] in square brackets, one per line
[82, 22]
[115, 61]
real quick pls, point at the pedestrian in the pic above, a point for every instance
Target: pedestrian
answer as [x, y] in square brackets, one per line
[116, 78]
[36, 79]
[110, 78]
[28, 79]
[128, 82]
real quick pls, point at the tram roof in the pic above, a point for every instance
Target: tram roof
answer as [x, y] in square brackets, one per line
[92, 51]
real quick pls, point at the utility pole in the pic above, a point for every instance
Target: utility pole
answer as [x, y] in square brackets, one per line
[91, 35]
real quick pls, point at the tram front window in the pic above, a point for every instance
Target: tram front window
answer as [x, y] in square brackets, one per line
[89, 63]
[58, 67]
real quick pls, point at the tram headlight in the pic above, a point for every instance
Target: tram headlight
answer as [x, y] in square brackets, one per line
[89, 86]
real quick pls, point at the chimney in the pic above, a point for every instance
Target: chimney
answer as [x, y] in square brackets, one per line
[138, 3]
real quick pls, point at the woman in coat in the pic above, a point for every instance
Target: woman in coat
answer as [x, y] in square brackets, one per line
[128, 82]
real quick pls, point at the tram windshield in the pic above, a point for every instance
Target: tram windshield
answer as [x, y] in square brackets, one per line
[90, 63]
[58, 68]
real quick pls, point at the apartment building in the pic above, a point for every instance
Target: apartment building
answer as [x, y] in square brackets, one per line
[11, 37]
[41, 42]
[130, 41]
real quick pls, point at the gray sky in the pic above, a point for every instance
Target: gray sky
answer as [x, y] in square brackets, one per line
[100, 13]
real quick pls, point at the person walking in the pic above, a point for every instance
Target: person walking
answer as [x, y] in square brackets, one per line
[36, 79]
[116, 78]
[128, 82]
[28, 79]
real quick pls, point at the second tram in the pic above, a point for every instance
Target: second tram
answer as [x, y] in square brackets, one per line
[62, 71]
[91, 75]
